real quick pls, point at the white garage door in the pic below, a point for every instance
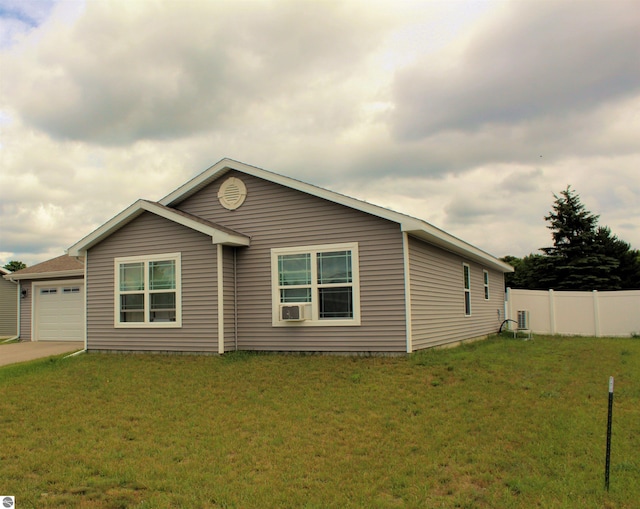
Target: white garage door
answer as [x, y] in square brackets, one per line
[59, 312]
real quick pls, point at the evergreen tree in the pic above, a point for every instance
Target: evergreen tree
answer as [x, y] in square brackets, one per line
[575, 261]
[584, 256]
[626, 273]
[14, 265]
[527, 272]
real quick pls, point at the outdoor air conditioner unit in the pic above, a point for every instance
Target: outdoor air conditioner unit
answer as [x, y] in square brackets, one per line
[293, 312]
[523, 320]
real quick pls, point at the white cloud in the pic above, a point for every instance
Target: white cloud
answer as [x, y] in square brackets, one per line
[536, 59]
[153, 71]
[467, 114]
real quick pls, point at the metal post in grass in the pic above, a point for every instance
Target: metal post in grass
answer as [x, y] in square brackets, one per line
[609, 418]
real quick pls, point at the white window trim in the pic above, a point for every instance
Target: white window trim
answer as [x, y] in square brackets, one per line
[177, 257]
[467, 290]
[485, 281]
[314, 320]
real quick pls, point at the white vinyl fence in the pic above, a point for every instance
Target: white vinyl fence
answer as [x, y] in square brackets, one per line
[577, 313]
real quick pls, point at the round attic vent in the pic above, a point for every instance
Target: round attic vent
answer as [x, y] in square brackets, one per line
[232, 193]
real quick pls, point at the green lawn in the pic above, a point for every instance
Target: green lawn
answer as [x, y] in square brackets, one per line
[501, 423]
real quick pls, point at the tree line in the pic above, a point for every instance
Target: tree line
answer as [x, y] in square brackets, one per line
[584, 255]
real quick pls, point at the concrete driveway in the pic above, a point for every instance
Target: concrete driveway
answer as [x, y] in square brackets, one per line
[30, 350]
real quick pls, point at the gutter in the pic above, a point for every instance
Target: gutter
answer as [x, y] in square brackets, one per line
[49, 275]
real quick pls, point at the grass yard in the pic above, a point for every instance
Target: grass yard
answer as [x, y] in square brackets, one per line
[502, 423]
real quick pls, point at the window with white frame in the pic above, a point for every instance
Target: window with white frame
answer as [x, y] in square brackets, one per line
[148, 291]
[486, 284]
[467, 289]
[322, 280]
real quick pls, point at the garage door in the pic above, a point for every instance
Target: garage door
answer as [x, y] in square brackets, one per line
[59, 312]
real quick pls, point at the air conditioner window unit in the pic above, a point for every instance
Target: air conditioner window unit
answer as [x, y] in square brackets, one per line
[293, 312]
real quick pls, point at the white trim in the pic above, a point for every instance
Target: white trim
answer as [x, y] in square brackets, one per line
[407, 291]
[36, 285]
[466, 290]
[177, 257]
[86, 300]
[315, 321]
[220, 270]
[485, 283]
[414, 226]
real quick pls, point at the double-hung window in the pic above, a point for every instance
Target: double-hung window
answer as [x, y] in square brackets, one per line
[467, 289]
[322, 281]
[148, 291]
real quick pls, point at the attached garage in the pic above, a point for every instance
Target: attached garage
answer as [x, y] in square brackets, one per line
[51, 303]
[58, 311]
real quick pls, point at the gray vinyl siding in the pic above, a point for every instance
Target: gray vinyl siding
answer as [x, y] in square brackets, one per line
[276, 216]
[8, 307]
[149, 234]
[437, 297]
[25, 311]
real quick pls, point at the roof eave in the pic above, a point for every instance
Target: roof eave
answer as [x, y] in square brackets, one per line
[414, 226]
[452, 244]
[141, 206]
[46, 275]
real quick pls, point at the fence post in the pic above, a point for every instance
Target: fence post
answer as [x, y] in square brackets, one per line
[607, 462]
[596, 314]
[552, 312]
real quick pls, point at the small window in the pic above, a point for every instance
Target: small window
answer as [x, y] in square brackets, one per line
[486, 284]
[48, 291]
[148, 291]
[324, 277]
[72, 289]
[467, 289]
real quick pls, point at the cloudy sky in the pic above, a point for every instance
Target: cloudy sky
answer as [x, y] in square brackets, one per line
[468, 114]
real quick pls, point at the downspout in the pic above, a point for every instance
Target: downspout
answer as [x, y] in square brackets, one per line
[19, 294]
[220, 277]
[235, 298]
[407, 292]
[86, 297]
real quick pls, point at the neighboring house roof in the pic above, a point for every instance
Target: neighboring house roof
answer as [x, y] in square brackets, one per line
[61, 266]
[6, 274]
[219, 234]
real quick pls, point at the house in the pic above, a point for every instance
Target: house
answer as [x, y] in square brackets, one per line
[8, 305]
[240, 258]
[51, 304]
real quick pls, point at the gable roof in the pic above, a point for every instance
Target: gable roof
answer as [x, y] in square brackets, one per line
[61, 266]
[413, 226]
[219, 234]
